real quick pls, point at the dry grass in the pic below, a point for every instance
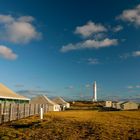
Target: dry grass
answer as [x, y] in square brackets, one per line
[76, 125]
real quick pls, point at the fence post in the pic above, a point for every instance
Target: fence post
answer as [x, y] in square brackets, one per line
[0, 109]
[29, 109]
[46, 108]
[24, 110]
[10, 112]
[17, 111]
[3, 113]
[34, 109]
[38, 108]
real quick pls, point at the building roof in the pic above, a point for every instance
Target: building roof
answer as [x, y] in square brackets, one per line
[128, 102]
[42, 100]
[6, 93]
[59, 100]
[120, 102]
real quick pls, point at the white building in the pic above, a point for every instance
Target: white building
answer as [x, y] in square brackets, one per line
[108, 104]
[61, 102]
[125, 105]
[129, 105]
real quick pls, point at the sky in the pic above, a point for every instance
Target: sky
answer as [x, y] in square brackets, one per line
[59, 47]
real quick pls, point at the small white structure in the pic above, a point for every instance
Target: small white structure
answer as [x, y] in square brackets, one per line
[45, 100]
[125, 105]
[108, 104]
[41, 113]
[129, 105]
[118, 105]
[114, 104]
[61, 102]
[94, 92]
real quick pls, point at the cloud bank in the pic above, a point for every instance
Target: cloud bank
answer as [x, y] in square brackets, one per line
[136, 53]
[93, 61]
[7, 53]
[94, 37]
[90, 44]
[117, 28]
[18, 30]
[89, 29]
[131, 15]
[132, 54]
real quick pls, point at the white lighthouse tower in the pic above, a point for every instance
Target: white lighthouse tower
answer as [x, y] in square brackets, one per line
[94, 92]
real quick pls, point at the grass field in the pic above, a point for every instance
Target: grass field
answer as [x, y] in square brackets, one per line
[75, 125]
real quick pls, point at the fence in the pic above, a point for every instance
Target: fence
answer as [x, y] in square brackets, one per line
[9, 112]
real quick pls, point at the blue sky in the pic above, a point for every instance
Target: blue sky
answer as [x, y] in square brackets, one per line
[60, 48]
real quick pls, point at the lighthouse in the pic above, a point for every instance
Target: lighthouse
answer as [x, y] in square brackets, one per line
[94, 92]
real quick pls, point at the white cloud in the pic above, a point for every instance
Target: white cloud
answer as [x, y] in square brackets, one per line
[131, 15]
[128, 55]
[90, 44]
[89, 29]
[87, 85]
[93, 61]
[130, 87]
[99, 36]
[136, 53]
[117, 28]
[125, 56]
[137, 86]
[18, 30]
[19, 85]
[6, 19]
[133, 87]
[33, 92]
[21, 32]
[69, 87]
[7, 53]
[26, 19]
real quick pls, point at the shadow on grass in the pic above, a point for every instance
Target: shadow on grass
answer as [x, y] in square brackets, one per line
[17, 125]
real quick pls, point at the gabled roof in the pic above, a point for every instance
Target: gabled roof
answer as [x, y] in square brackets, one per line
[6, 93]
[120, 102]
[42, 100]
[128, 102]
[59, 100]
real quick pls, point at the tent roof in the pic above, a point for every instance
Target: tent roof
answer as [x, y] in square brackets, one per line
[128, 102]
[6, 93]
[42, 100]
[59, 100]
[120, 102]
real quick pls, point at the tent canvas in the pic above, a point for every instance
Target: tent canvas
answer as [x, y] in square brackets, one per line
[6, 93]
[45, 100]
[61, 101]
